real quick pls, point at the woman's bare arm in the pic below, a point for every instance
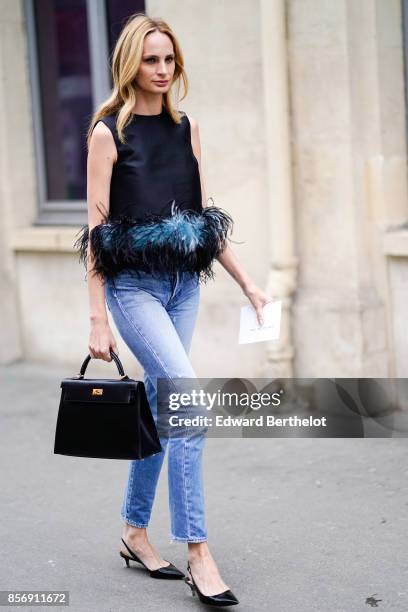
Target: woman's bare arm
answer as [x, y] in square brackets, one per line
[227, 258]
[102, 155]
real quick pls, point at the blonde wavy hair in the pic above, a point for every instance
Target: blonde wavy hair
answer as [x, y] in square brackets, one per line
[126, 59]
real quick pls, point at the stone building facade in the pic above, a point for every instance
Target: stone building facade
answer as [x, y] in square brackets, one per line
[302, 112]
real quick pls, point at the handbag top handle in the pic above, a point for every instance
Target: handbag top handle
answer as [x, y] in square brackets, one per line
[114, 357]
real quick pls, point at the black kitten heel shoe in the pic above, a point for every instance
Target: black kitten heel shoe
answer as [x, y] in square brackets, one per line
[169, 572]
[226, 598]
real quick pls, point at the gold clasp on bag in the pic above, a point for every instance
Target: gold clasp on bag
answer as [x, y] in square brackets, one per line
[97, 391]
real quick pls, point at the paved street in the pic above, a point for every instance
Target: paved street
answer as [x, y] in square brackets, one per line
[311, 525]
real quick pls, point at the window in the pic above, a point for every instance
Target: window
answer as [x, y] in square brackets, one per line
[70, 44]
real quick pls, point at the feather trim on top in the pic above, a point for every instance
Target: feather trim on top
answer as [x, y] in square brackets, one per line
[185, 241]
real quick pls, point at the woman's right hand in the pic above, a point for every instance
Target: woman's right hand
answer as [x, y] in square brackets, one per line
[101, 340]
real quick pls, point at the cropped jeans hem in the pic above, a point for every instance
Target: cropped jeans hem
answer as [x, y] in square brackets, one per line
[133, 523]
[189, 540]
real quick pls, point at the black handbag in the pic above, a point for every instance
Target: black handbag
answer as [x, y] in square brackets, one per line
[105, 418]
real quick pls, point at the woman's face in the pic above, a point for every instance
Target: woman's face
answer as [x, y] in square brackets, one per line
[156, 69]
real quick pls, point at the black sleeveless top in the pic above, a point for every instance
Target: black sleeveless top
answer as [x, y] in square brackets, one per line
[155, 167]
[156, 222]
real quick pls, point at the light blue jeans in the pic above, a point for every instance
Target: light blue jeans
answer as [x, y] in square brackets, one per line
[156, 316]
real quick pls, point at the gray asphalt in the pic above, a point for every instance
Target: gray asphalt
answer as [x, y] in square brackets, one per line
[294, 524]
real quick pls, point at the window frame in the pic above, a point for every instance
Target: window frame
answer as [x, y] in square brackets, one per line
[65, 212]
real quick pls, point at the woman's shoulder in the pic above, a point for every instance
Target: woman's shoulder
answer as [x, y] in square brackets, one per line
[191, 124]
[104, 130]
[109, 120]
[188, 117]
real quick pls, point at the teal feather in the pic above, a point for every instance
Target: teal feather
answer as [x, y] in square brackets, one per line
[185, 240]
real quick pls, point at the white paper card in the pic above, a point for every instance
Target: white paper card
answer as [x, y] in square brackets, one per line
[251, 331]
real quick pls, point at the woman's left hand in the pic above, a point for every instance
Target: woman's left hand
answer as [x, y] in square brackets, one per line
[258, 299]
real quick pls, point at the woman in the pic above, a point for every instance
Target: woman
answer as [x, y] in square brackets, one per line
[149, 242]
